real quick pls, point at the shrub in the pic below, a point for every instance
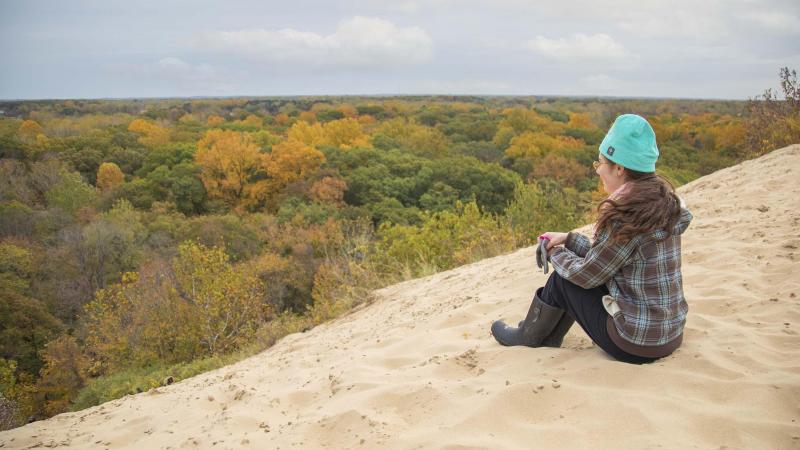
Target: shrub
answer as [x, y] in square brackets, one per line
[444, 240]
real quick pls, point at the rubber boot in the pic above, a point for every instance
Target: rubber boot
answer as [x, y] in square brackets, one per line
[556, 337]
[538, 325]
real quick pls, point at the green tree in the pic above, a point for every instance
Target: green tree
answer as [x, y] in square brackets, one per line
[537, 209]
[108, 249]
[25, 323]
[71, 193]
[25, 327]
[443, 240]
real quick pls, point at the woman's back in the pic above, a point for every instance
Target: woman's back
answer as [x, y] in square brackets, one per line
[648, 290]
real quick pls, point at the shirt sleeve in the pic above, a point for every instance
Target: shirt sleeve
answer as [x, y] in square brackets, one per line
[599, 264]
[578, 243]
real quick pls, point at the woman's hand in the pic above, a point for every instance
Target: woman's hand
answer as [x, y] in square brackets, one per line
[555, 238]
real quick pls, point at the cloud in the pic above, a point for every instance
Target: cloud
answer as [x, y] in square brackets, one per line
[404, 7]
[694, 22]
[172, 67]
[775, 21]
[357, 43]
[466, 87]
[190, 77]
[600, 83]
[579, 47]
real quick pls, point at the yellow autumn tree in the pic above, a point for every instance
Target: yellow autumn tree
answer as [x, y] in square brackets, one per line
[141, 320]
[232, 167]
[32, 135]
[308, 133]
[188, 119]
[517, 121]
[29, 130]
[291, 161]
[347, 109]
[308, 116]
[214, 121]
[109, 176]
[195, 305]
[253, 121]
[345, 134]
[418, 138]
[532, 145]
[729, 135]
[150, 133]
[367, 120]
[227, 303]
[520, 120]
[580, 120]
[41, 141]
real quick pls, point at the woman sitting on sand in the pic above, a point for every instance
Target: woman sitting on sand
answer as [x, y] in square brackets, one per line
[625, 288]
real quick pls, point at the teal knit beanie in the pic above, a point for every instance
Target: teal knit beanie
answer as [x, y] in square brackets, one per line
[631, 143]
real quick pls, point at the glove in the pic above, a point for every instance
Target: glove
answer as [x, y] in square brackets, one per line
[541, 254]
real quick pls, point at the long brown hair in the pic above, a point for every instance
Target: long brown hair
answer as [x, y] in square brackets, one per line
[649, 203]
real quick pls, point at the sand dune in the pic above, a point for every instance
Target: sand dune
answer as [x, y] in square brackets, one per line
[419, 369]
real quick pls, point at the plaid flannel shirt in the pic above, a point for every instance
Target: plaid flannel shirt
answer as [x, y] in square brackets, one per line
[643, 277]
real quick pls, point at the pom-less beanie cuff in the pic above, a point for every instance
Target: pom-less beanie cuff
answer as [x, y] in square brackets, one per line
[631, 143]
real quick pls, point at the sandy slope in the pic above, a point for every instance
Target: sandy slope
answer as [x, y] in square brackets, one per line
[418, 368]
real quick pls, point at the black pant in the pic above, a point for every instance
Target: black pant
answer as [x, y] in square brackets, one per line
[586, 307]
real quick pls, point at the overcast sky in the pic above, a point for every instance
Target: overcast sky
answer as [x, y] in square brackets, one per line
[672, 48]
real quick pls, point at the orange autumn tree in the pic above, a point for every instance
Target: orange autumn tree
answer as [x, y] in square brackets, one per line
[232, 167]
[109, 176]
[329, 190]
[64, 374]
[566, 171]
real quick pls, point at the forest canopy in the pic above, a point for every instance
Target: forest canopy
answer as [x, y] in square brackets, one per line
[141, 239]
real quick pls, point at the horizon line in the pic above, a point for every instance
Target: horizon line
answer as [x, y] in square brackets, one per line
[262, 96]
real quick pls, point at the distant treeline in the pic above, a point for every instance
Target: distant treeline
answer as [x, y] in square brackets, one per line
[142, 240]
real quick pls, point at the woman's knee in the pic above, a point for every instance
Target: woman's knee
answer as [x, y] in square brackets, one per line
[553, 291]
